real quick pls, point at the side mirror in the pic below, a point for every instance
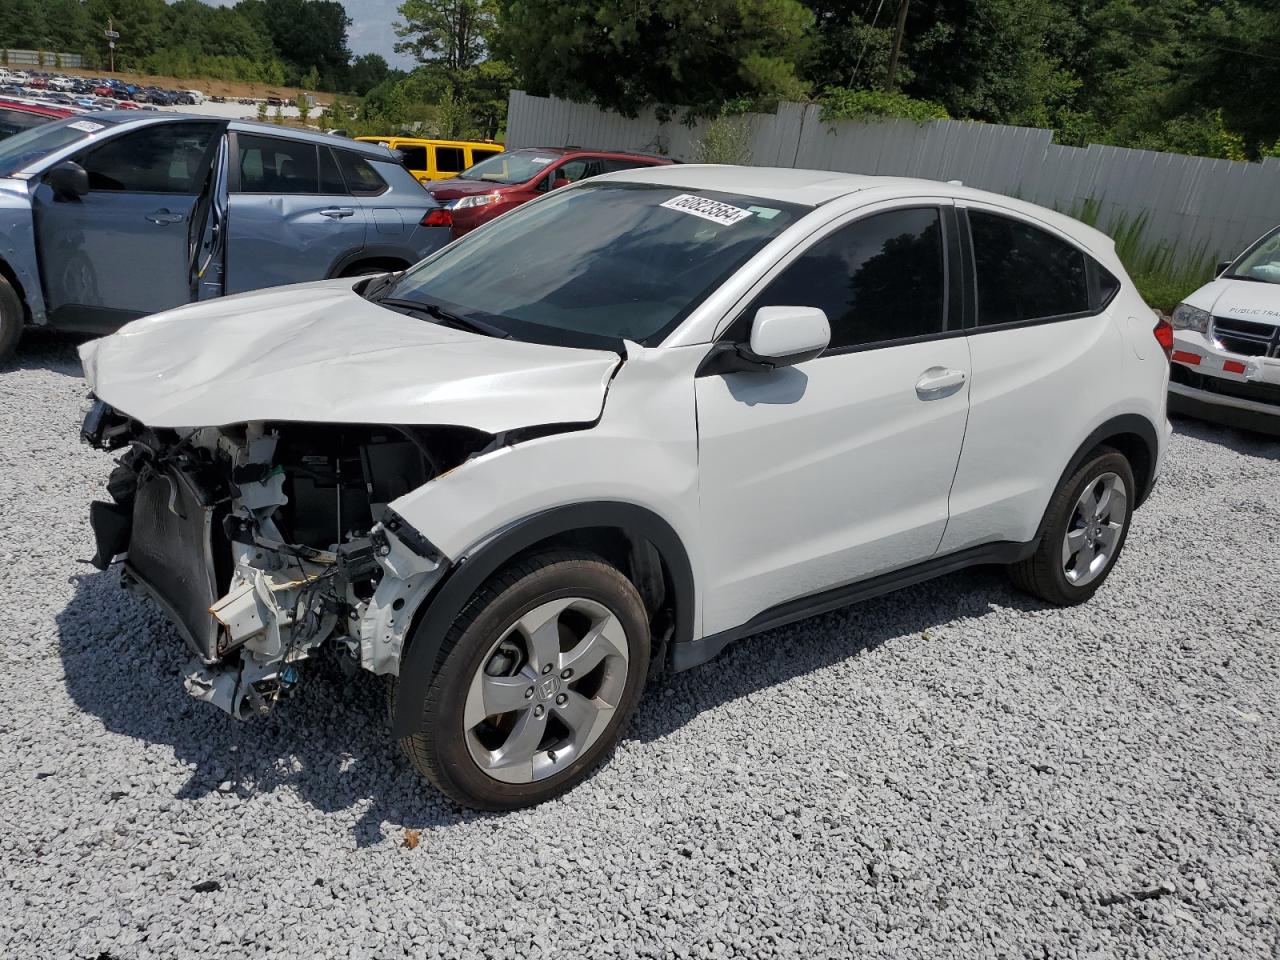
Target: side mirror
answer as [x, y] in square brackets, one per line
[68, 180]
[780, 337]
[559, 182]
[1221, 268]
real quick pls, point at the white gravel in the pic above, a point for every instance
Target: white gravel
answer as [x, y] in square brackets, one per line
[954, 770]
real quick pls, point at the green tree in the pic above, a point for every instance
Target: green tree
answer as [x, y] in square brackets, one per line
[367, 71]
[452, 33]
[695, 53]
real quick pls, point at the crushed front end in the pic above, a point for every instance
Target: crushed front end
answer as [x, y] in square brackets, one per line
[264, 541]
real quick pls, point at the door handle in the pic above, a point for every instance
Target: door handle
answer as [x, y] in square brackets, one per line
[163, 216]
[337, 213]
[938, 382]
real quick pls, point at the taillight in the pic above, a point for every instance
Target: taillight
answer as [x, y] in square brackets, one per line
[438, 218]
[1164, 336]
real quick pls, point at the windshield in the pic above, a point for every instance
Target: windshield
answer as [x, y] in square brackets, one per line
[514, 167]
[594, 265]
[26, 147]
[1260, 263]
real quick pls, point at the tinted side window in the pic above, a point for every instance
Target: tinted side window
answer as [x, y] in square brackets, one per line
[362, 179]
[1025, 273]
[165, 158]
[415, 158]
[882, 278]
[450, 160]
[269, 165]
[330, 176]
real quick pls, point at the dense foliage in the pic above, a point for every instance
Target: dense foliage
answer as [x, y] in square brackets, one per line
[275, 41]
[1194, 76]
[1186, 75]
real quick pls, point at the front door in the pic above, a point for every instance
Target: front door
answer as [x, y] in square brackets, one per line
[837, 469]
[291, 216]
[128, 247]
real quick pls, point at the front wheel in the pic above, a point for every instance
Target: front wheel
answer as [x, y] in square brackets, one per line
[1084, 531]
[535, 682]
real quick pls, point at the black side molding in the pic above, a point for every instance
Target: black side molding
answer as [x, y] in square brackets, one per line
[685, 656]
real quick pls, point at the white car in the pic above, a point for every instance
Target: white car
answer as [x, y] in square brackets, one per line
[617, 429]
[1226, 356]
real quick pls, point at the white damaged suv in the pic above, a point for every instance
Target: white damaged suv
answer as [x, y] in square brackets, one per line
[1226, 351]
[615, 430]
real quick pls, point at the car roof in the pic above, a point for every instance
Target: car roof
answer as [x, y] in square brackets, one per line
[816, 187]
[49, 110]
[293, 133]
[431, 140]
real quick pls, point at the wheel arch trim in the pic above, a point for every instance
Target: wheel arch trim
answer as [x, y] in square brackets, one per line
[477, 564]
[1131, 424]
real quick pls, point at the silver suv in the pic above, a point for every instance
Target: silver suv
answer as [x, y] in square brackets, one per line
[113, 216]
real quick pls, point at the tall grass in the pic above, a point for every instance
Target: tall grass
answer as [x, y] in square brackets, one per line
[1165, 273]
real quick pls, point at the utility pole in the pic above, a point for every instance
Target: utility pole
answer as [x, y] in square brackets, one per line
[899, 30]
[112, 37]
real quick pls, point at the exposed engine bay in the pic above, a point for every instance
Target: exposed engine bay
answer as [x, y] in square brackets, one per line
[264, 541]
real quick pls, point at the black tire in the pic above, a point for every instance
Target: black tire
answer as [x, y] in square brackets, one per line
[440, 752]
[11, 320]
[1043, 574]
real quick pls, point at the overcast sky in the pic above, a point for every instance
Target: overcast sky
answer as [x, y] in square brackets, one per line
[370, 30]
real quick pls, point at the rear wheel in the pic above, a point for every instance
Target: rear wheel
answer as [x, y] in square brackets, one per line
[1085, 530]
[11, 320]
[535, 682]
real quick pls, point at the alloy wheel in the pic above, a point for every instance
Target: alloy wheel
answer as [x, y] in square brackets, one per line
[1095, 528]
[546, 690]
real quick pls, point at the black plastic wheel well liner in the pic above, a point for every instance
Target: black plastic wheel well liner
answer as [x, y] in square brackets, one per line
[442, 607]
[1134, 436]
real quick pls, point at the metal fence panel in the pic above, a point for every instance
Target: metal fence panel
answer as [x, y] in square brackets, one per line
[1200, 206]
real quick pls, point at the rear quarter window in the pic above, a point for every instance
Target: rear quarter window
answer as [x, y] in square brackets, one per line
[362, 179]
[1024, 273]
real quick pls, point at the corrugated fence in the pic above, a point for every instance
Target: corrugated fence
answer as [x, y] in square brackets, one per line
[43, 59]
[1211, 208]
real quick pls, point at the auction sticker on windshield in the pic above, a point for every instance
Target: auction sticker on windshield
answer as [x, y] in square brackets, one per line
[708, 209]
[85, 126]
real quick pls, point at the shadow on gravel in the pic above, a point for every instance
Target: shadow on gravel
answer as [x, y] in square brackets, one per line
[329, 742]
[47, 350]
[1244, 442]
[776, 656]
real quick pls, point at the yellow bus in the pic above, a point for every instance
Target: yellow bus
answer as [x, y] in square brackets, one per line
[438, 159]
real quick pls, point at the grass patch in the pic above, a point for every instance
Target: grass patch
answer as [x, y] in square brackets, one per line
[1164, 273]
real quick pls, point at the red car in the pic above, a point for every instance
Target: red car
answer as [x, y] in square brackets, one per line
[506, 180]
[16, 116]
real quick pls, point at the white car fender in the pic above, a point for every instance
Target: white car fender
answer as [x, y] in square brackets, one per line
[643, 451]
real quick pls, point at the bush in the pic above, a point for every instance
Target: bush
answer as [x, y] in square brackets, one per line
[841, 103]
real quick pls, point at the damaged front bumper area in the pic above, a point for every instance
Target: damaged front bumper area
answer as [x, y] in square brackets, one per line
[263, 542]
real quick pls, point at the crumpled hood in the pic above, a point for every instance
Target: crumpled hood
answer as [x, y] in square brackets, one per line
[319, 352]
[1240, 299]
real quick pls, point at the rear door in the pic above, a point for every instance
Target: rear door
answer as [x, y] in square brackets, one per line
[129, 247]
[1045, 345]
[291, 216]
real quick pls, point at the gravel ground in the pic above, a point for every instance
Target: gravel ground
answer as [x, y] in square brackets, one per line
[950, 770]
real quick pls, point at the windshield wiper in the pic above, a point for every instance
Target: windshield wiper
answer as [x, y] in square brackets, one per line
[437, 314]
[1241, 276]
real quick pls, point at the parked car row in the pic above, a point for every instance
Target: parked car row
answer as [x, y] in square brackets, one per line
[104, 87]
